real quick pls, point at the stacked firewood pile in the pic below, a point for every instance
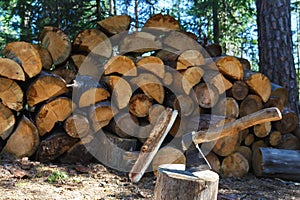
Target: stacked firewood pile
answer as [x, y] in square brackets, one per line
[57, 95]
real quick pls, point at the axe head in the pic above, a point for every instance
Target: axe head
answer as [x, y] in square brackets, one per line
[195, 159]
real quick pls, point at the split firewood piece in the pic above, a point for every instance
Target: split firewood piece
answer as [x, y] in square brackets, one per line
[185, 184]
[152, 144]
[255, 82]
[214, 50]
[246, 152]
[45, 57]
[289, 141]
[8, 121]
[24, 141]
[218, 80]
[124, 124]
[10, 69]
[167, 155]
[280, 92]
[155, 111]
[79, 153]
[228, 107]
[277, 163]
[214, 161]
[78, 59]
[190, 78]
[54, 145]
[183, 103]
[92, 96]
[152, 64]
[230, 67]
[26, 55]
[140, 104]
[189, 58]
[139, 42]
[250, 104]
[93, 41]
[53, 111]
[11, 94]
[115, 24]
[122, 65]
[239, 90]
[207, 95]
[121, 90]
[262, 130]
[150, 85]
[162, 22]
[46, 86]
[275, 101]
[77, 126]
[101, 114]
[235, 165]
[181, 42]
[275, 138]
[249, 140]
[288, 123]
[57, 43]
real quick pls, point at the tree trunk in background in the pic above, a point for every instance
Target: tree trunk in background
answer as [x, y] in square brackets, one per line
[136, 11]
[216, 22]
[275, 46]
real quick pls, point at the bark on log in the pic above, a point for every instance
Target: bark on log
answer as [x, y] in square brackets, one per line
[45, 56]
[279, 91]
[235, 165]
[250, 104]
[277, 163]
[200, 185]
[7, 119]
[115, 24]
[257, 144]
[11, 94]
[230, 67]
[24, 141]
[53, 111]
[57, 43]
[122, 65]
[93, 41]
[30, 61]
[77, 126]
[214, 50]
[288, 123]
[67, 72]
[11, 69]
[246, 152]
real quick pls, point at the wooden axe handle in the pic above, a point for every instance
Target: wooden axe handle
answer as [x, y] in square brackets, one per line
[259, 117]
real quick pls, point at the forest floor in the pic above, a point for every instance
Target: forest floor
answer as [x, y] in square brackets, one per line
[23, 179]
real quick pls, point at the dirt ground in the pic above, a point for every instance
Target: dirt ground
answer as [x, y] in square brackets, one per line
[23, 179]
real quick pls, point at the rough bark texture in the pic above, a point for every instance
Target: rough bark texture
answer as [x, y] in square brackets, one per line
[275, 46]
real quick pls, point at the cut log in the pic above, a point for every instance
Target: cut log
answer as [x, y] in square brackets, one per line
[275, 101]
[235, 165]
[45, 87]
[115, 24]
[191, 77]
[124, 124]
[279, 91]
[53, 111]
[54, 145]
[139, 42]
[152, 64]
[140, 104]
[288, 123]
[8, 121]
[45, 56]
[122, 65]
[168, 78]
[230, 67]
[262, 130]
[289, 141]
[227, 107]
[121, 90]
[181, 42]
[10, 69]
[57, 43]
[218, 80]
[250, 104]
[296, 131]
[243, 134]
[93, 96]
[255, 82]
[246, 152]
[257, 144]
[167, 155]
[155, 111]
[239, 90]
[207, 95]
[24, 141]
[200, 185]
[93, 41]
[25, 55]
[150, 85]
[11, 94]
[182, 103]
[275, 138]
[249, 140]
[214, 162]
[189, 58]
[162, 22]
[78, 59]
[77, 126]
[101, 114]
[226, 145]
[277, 163]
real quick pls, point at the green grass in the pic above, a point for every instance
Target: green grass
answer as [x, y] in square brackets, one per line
[57, 176]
